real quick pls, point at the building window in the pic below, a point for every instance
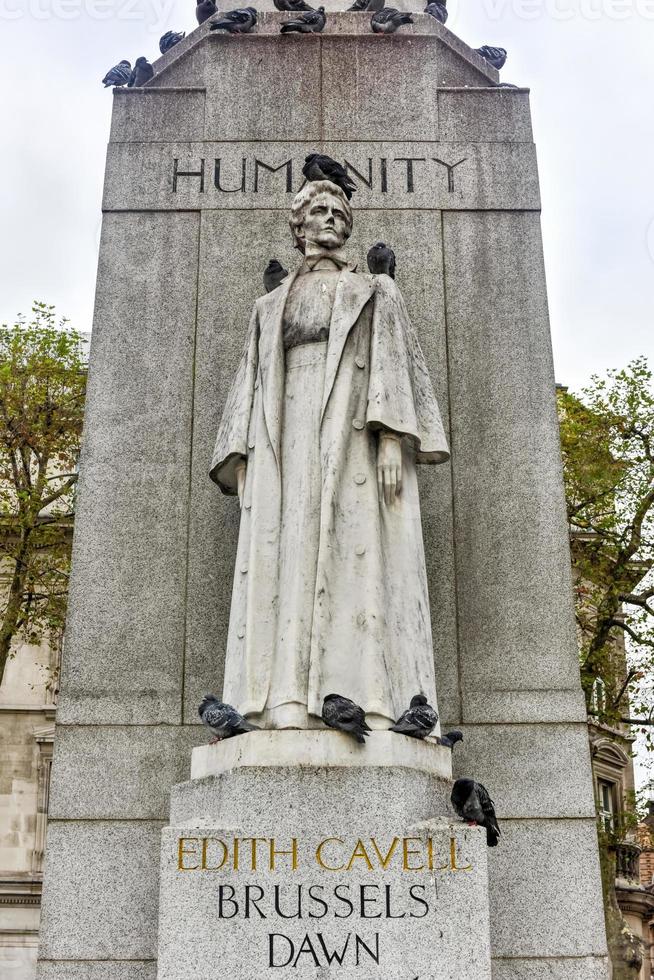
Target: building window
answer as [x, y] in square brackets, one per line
[607, 807]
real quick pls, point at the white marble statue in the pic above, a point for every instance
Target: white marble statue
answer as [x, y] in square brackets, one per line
[330, 410]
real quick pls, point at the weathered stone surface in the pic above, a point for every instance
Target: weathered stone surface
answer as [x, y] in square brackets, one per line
[124, 647]
[543, 890]
[497, 707]
[501, 757]
[484, 114]
[516, 624]
[100, 890]
[101, 970]
[111, 772]
[142, 114]
[570, 968]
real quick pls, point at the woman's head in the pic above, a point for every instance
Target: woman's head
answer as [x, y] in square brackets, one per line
[321, 213]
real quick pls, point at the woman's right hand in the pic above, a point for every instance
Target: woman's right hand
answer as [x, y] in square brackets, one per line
[240, 469]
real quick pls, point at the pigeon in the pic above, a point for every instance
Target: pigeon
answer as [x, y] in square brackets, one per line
[418, 721]
[236, 21]
[169, 40]
[381, 260]
[273, 274]
[205, 9]
[494, 56]
[371, 5]
[142, 72]
[311, 22]
[473, 804]
[343, 714]
[506, 85]
[292, 6]
[223, 720]
[317, 166]
[388, 20]
[450, 739]
[119, 75]
[438, 10]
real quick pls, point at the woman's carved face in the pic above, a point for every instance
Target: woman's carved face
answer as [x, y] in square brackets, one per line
[325, 222]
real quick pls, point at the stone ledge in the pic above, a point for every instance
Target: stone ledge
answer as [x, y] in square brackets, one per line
[320, 749]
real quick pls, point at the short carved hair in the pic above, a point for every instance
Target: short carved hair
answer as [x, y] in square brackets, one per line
[304, 198]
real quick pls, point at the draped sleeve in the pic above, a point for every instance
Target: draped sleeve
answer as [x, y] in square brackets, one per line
[232, 439]
[400, 393]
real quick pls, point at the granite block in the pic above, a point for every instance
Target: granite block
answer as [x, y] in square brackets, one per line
[545, 898]
[124, 639]
[105, 773]
[97, 970]
[485, 114]
[563, 968]
[529, 770]
[142, 114]
[86, 861]
[516, 623]
[524, 707]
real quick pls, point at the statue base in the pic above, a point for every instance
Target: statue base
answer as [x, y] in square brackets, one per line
[301, 854]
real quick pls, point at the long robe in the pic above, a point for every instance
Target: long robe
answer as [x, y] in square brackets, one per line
[371, 632]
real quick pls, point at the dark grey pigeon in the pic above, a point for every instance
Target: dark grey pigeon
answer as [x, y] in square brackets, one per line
[450, 739]
[141, 73]
[169, 40]
[239, 21]
[318, 166]
[204, 10]
[438, 10]
[273, 275]
[494, 56]
[223, 720]
[387, 20]
[119, 75]
[371, 5]
[381, 260]
[418, 721]
[473, 804]
[346, 716]
[311, 22]
[292, 6]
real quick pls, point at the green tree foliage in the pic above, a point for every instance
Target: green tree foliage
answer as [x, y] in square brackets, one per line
[42, 389]
[607, 437]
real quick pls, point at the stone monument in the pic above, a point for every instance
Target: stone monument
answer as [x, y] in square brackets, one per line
[147, 872]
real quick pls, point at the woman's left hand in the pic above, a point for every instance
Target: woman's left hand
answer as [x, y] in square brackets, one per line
[389, 466]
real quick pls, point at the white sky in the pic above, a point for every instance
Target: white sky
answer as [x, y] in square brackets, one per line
[589, 64]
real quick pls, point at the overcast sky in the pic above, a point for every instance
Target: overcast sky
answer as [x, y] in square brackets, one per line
[589, 66]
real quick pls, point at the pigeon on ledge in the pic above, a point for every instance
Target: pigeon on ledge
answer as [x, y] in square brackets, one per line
[473, 804]
[119, 75]
[223, 720]
[141, 73]
[239, 21]
[311, 22]
[346, 716]
[169, 40]
[387, 20]
[418, 721]
[450, 739]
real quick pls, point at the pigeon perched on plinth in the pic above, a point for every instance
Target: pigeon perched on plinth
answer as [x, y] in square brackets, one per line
[381, 260]
[292, 6]
[318, 166]
[388, 20]
[204, 10]
[119, 75]
[369, 5]
[273, 275]
[169, 40]
[239, 21]
[473, 804]
[142, 72]
[346, 716]
[494, 56]
[222, 719]
[310, 22]
[418, 721]
[450, 739]
[437, 10]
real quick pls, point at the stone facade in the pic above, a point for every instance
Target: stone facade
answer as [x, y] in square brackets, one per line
[197, 189]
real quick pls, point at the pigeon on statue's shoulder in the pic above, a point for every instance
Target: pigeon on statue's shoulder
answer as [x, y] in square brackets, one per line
[346, 716]
[418, 721]
[222, 719]
[381, 260]
[473, 804]
[273, 275]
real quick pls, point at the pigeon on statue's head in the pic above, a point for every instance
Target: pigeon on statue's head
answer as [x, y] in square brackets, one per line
[318, 166]
[473, 804]
[222, 719]
[346, 716]
[418, 721]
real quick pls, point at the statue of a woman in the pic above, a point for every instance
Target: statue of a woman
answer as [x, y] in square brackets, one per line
[330, 410]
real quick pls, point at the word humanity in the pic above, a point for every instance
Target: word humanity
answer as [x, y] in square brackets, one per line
[330, 854]
[394, 173]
